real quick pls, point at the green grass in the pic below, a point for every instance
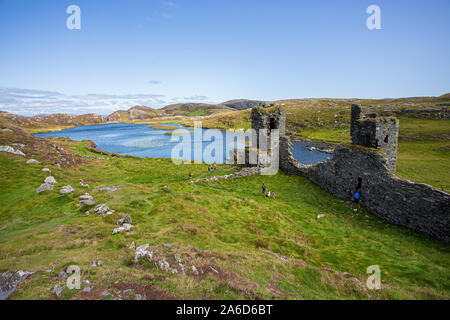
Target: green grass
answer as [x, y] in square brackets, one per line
[215, 219]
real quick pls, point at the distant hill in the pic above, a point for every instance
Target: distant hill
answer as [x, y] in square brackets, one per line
[180, 109]
[133, 114]
[241, 104]
[56, 119]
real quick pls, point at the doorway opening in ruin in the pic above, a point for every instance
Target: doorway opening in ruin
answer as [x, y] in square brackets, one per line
[273, 124]
[386, 139]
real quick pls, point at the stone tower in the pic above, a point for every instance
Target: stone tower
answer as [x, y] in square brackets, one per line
[268, 118]
[375, 132]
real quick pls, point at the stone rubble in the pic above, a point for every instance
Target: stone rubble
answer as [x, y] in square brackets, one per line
[66, 189]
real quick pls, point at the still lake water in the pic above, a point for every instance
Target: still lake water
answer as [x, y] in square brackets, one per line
[140, 140]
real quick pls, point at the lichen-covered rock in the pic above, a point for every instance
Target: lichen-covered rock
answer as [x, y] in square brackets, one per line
[86, 200]
[50, 180]
[124, 227]
[10, 149]
[44, 187]
[126, 219]
[66, 189]
[9, 280]
[33, 161]
[102, 210]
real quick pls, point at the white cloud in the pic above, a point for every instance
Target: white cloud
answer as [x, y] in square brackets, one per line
[28, 102]
[170, 4]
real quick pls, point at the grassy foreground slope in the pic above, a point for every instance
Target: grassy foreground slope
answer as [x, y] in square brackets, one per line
[261, 248]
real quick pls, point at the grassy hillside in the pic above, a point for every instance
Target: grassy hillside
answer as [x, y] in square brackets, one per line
[261, 248]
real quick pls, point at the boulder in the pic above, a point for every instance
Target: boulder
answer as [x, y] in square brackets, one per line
[10, 149]
[46, 170]
[126, 219]
[57, 289]
[44, 187]
[320, 216]
[124, 227]
[66, 189]
[9, 280]
[50, 180]
[102, 210]
[5, 130]
[33, 161]
[86, 200]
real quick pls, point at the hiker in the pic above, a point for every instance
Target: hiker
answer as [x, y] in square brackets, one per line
[214, 167]
[356, 196]
[263, 190]
[82, 184]
[190, 176]
[268, 194]
[273, 194]
[209, 169]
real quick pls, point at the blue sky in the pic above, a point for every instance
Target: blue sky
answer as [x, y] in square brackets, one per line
[156, 52]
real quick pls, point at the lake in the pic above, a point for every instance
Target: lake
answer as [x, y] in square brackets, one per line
[140, 140]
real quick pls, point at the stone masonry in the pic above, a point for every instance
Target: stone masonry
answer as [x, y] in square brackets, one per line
[375, 132]
[369, 164]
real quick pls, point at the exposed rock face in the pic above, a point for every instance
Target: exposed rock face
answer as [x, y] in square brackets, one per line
[66, 189]
[122, 228]
[10, 149]
[102, 210]
[126, 219]
[415, 206]
[44, 187]
[86, 200]
[33, 161]
[245, 172]
[9, 281]
[50, 180]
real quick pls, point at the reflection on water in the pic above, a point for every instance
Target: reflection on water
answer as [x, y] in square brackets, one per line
[305, 156]
[140, 140]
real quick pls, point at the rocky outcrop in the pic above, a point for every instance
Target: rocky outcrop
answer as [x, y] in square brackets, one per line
[103, 210]
[86, 200]
[124, 225]
[66, 189]
[33, 161]
[50, 180]
[44, 187]
[10, 149]
[245, 172]
[9, 281]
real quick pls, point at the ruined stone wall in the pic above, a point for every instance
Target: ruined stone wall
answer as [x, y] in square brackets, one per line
[413, 205]
[374, 132]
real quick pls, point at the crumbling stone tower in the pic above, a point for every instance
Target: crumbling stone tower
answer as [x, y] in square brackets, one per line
[268, 118]
[375, 132]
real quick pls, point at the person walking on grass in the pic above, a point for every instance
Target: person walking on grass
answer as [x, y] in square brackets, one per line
[214, 167]
[273, 194]
[82, 184]
[190, 176]
[263, 189]
[268, 194]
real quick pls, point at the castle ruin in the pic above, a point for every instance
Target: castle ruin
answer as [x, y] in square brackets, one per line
[368, 164]
[375, 132]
